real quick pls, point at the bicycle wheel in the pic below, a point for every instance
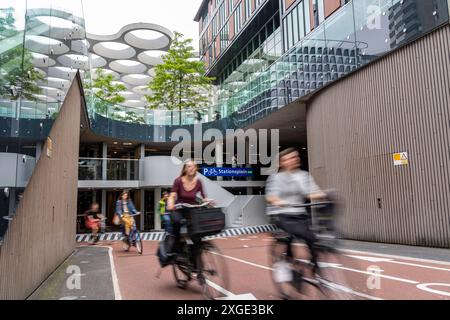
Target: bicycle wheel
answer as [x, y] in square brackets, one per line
[213, 276]
[181, 272]
[126, 243]
[138, 243]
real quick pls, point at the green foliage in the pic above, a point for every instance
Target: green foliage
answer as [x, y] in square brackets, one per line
[104, 87]
[16, 67]
[179, 81]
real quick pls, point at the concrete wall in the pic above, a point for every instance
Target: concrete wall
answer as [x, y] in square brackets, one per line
[400, 103]
[42, 233]
[254, 211]
[15, 169]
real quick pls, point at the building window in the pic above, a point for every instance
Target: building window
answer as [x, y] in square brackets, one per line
[295, 25]
[307, 16]
[230, 6]
[321, 11]
[237, 19]
[248, 9]
[222, 14]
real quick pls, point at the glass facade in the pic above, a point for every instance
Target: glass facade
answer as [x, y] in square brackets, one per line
[37, 38]
[217, 21]
[356, 34]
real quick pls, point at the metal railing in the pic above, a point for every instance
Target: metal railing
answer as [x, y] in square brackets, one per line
[108, 169]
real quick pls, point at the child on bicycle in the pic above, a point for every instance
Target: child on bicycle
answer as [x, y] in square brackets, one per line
[124, 209]
[93, 219]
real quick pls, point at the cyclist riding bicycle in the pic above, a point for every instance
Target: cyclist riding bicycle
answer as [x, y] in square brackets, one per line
[187, 188]
[93, 220]
[287, 189]
[124, 209]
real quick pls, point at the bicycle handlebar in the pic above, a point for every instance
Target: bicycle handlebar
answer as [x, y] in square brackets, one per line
[187, 205]
[134, 214]
[307, 205]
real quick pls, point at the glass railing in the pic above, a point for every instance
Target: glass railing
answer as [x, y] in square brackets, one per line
[147, 116]
[29, 109]
[116, 169]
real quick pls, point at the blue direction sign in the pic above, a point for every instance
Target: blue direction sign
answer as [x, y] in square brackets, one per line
[226, 172]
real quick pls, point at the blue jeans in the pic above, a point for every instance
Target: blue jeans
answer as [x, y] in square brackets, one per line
[167, 224]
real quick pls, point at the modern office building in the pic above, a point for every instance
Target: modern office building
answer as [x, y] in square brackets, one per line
[358, 83]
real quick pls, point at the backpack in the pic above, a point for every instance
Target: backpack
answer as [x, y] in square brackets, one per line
[163, 251]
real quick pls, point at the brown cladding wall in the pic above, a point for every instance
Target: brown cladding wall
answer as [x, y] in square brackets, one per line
[42, 233]
[400, 103]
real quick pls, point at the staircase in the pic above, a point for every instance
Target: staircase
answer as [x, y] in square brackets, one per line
[239, 222]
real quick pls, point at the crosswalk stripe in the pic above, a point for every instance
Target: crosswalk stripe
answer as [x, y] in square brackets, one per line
[159, 236]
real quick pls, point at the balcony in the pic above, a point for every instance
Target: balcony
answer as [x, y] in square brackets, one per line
[108, 173]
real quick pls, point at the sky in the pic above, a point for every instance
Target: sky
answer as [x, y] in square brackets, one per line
[108, 16]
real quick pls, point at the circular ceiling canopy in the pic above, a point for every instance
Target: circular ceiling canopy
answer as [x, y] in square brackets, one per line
[152, 57]
[147, 39]
[136, 79]
[75, 61]
[97, 61]
[128, 66]
[114, 50]
[45, 45]
[41, 60]
[60, 47]
[142, 90]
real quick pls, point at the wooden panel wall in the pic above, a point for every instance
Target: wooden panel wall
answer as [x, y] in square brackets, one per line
[400, 103]
[42, 233]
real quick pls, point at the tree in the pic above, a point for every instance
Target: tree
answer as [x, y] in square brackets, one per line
[180, 81]
[18, 77]
[103, 86]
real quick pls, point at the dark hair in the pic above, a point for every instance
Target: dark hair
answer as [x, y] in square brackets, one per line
[287, 151]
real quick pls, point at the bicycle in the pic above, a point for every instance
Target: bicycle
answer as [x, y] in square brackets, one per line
[291, 275]
[134, 239]
[209, 269]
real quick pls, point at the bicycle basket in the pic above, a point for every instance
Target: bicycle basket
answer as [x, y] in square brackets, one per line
[206, 221]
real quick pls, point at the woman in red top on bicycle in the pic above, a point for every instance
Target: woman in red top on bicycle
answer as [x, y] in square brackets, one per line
[187, 188]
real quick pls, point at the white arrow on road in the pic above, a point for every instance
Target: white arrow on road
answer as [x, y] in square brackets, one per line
[229, 295]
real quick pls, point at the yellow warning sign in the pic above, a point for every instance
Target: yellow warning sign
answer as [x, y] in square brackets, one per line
[400, 159]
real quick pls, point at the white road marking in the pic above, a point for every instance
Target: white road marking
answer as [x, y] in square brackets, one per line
[336, 286]
[378, 275]
[349, 290]
[396, 256]
[115, 281]
[371, 259]
[375, 259]
[389, 256]
[424, 286]
[419, 265]
[229, 295]
[246, 296]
